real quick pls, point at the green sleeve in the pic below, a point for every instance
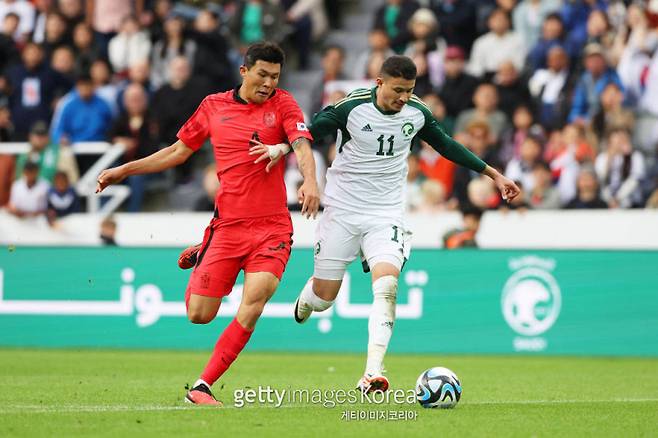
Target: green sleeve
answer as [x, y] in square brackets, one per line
[454, 151]
[327, 122]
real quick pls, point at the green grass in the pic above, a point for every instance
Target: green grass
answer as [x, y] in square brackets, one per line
[126, 393]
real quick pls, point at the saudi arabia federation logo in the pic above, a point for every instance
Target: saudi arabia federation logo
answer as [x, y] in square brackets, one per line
[408, 129]
[531, 297]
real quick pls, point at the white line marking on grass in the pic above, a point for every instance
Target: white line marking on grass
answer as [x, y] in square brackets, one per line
[63, 409]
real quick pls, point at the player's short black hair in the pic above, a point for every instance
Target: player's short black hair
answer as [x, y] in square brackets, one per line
[398, 66]
[31, 166]
[264, 51]
[472, 210]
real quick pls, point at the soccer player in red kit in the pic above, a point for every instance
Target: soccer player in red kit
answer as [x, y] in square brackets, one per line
[251, 229]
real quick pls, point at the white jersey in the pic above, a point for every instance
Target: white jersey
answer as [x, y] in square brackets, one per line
[370, 169]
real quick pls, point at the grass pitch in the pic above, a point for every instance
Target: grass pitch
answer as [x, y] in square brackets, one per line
[129, 393]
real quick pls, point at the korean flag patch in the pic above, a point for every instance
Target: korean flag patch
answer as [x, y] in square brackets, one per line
[301, 126]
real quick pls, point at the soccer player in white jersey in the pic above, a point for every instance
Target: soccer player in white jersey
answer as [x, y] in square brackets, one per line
[364, 198]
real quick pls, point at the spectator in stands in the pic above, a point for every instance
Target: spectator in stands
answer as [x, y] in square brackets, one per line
[550, 89]
[56, 35]
[552, 35]
[86, 49]
[477, 140]
[210, 187]
[49, 157]
[9, 53]
[611, 112]
[566, 151]
[592, 82]
[498, 45]
[427, 49]
[456, 22]
[481, 193]
[433, 197]
[308, 21]
[439, 111]
[374, 67]
[107, 17]
[133, 130]
[415, 179]
[521, 168]
[378, 46]
[108, 230]
[41, 10]
[464, 237]
[73, 13]
[25, 11]
[174, 103]
[333, 58]
[512, 88]
[587, 194]
[458, 87]
[211, 59]
[35, 86]
[575, 15]
[7, 161]
[543, 195]
[28, 194]
[620, 170]
[528, 18]
[129, 46]
[101, 77]
[523, 125]
[597, 30]
[174, 44]
[62, 199]
[154, 20]
[256, 20]
[392, 18]
[63, 62]
[84, 116]
[486, 108]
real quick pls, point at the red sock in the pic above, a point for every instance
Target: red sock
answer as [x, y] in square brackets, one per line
[229, 345]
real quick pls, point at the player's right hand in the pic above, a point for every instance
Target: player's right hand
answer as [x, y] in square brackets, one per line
[309, 196]
[109, 176]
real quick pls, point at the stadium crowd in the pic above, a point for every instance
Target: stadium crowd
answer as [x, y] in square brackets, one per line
[560, 95]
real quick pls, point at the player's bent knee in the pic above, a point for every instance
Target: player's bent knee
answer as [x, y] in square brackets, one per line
[199, 317]
[386, 287]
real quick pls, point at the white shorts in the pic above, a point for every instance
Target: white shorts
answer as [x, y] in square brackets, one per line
[341, 235]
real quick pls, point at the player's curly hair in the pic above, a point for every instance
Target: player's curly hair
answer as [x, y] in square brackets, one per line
[398, 66]
[264, 51]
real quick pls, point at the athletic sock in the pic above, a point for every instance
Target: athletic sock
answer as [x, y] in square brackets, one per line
[309, 297]
[229, 345]
[380, 322]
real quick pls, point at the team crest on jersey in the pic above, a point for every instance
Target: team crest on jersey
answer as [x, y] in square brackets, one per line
[269, 119]
[408, 129]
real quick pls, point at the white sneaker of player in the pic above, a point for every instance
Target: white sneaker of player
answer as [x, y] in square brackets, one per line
[372, 382]
[303, 310]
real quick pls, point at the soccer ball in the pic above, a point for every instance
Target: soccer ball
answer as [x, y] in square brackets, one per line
[438, 388]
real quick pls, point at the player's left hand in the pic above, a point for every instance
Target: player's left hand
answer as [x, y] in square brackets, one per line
[273, 152]
[508, 189]
[309, 196]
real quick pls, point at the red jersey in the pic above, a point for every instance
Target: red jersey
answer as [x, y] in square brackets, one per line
[246, 190]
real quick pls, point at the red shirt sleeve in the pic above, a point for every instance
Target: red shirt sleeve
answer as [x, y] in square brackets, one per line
[197, 128]
[293, 120]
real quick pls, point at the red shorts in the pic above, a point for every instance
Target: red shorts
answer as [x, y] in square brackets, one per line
[254, 245]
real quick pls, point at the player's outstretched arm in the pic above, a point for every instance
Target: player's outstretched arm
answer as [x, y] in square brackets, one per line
[308, 194]
[164, 159]
[508, 189]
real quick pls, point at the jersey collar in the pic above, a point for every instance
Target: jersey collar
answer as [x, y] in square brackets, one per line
[238, 99]
[373, 92]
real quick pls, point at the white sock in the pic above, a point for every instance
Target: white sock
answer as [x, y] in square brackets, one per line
[309, 297]
[380, 323]
[199, 382]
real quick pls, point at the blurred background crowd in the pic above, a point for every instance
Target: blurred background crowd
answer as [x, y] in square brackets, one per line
[562, 96]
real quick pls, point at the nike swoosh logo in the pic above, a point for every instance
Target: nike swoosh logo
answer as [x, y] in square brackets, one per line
[225, 119]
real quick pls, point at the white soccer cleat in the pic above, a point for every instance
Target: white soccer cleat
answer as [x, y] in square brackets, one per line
[303, 310]
[372, 382]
